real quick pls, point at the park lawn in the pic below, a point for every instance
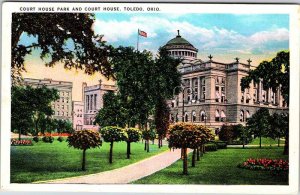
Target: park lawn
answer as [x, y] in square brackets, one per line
[220, 167]
[266, 141]
[45, 161]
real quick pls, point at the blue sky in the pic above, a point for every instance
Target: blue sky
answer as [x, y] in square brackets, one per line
[257, 36]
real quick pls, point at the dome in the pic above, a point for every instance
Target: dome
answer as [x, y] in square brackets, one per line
[179, 43]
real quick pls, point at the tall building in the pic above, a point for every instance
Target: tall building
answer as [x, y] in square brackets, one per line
[212, 92]
[63, 106]
[93, 101]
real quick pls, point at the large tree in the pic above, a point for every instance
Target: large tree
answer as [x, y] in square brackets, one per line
[259, 124]
[34, 102]
[68, 38]
[112, 113]
[274, 74]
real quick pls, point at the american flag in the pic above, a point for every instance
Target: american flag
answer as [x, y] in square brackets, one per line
[142, 33]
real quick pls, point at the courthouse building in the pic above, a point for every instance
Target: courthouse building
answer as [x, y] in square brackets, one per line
[63, 106]
[212, 91]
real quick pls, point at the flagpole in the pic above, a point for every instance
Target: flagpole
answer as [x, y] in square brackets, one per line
[138, 37]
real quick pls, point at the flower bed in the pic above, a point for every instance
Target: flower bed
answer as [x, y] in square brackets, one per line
[55, 134]
[24, 142]
[275, 166]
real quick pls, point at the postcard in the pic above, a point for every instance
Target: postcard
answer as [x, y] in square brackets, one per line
[150, 97]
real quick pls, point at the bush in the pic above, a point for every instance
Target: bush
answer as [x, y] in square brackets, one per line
[220, 144]
[210, 147]
[60, 139]
[36, 139]
[48, 139]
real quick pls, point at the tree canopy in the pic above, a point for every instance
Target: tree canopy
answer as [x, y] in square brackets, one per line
[274, 74]
[68, 38]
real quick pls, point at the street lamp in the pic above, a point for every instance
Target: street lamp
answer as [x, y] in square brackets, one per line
[189, 92]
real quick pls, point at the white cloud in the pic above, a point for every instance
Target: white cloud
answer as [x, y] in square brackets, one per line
[203, 38]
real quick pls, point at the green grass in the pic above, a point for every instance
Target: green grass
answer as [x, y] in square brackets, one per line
[45, 161]
[220, 168]
[266, 141]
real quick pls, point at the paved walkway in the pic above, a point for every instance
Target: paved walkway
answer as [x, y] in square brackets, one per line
[126, 174]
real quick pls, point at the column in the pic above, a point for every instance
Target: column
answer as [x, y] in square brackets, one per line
[191, 90]
[91, 102]
[199, 89]
[210, 93]
[259, 94]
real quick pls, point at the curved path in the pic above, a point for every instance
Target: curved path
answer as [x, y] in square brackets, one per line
[125, 174]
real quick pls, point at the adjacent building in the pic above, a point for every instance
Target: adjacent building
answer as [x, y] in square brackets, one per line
[93, 101]
[212, 92]
[78, 111]
[63, 106]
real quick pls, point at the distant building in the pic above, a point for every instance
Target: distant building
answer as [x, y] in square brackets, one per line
[212, 91]
[93, 101]
[78, 110]
[63, 106]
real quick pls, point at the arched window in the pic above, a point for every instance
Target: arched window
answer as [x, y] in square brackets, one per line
[242, 116]
[247, 115]
[193, 116]
[202, 115]
[223, 116]
[186, 116]
[217, 115]
[177, 118]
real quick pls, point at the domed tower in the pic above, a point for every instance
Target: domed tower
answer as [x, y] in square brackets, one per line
[179, 47]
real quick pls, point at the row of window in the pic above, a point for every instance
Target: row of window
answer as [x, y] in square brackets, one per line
[62, 99]
[62, 113]
[219, 116]
[91, 102]
[182, 53]
[60, 106]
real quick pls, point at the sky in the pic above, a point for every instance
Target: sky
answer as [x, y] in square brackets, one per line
[224, 36]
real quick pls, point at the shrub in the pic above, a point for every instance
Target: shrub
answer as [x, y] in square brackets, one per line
[210, 147]
[60, 139]
[84, 140]
[48, 139]
[220, 144]
[36, 139]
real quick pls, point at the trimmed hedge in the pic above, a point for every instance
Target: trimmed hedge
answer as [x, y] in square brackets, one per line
[210, 147]
[48, 139]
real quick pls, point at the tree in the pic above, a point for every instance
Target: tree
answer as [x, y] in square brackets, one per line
[113, 134]
[259, 124]
[64, 126]
[274, 74]
[62, 37]
[112, 113]
[148, 135]
[134, 135]
[227, 133]
[84, 140]
[279, 127]
[185, 135]
[30, 105]
[241, 132]
[162, 122]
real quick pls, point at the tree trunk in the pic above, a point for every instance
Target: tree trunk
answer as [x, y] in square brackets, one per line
[286, 145]
[20, 134]
[83, 160]
[260, 141]
[198, 154]
[111, 152]
[194, 158]
[128, 150]
[148, 145]
[159, 139]
[145, 147]
[278, 142]
[243, 142]
[153, 142]
[185, 163]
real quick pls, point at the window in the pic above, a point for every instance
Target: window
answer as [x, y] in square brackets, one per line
[217, 115]
[62, 100]
[202, 115]
[247, 115]
[242, 116]
[223, 116]
[58, 113]
[62, 107]
[193, 116]
[186, 117]
[177, 118]
[67, 100]
[63, 113]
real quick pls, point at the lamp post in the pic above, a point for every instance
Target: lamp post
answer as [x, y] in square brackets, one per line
[189, 91]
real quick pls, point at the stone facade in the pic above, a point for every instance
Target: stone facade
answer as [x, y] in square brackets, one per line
[63, 106]
[212, 92]
[93, 101]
